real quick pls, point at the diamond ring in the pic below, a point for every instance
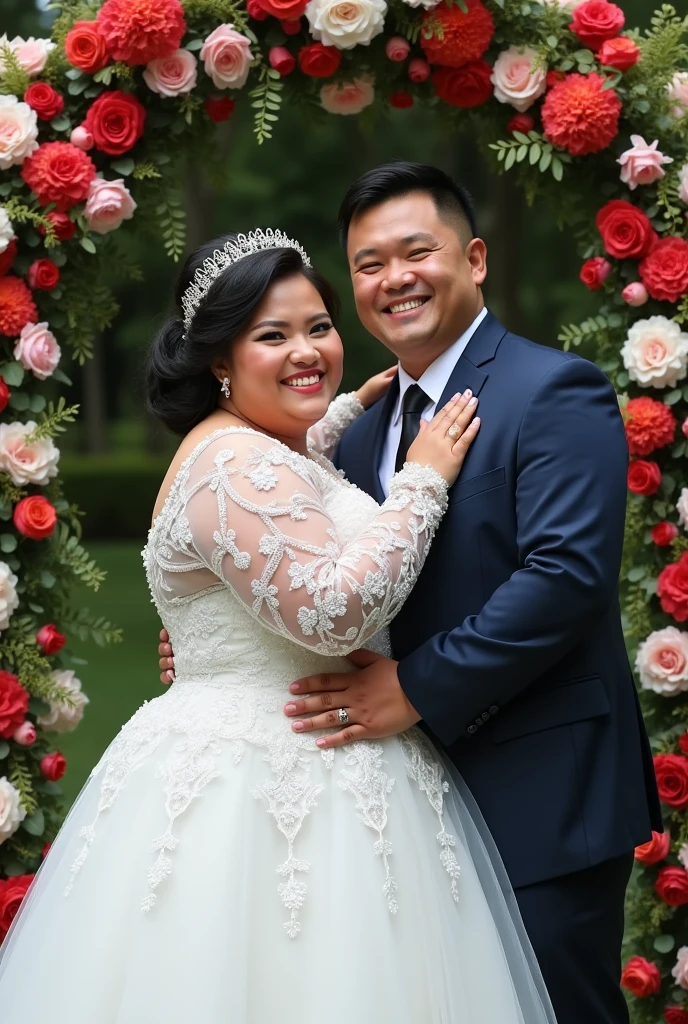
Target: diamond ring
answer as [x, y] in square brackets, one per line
[453, 431]
[343, 716]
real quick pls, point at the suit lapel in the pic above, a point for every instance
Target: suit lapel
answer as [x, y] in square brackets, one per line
[471, 370]
[371, 456]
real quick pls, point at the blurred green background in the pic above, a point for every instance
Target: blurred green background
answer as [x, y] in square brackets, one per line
[115, 457]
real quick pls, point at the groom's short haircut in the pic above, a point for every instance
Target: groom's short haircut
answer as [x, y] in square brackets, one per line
[401, 178]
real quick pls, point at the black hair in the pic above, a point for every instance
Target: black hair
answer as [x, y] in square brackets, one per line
[401, 178]
[180, 385]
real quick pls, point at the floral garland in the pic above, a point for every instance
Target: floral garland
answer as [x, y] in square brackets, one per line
[560, 90]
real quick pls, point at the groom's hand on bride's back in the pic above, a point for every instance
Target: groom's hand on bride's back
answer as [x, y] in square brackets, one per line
[166, 655]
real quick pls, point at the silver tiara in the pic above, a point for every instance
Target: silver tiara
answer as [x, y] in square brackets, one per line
[231, 252]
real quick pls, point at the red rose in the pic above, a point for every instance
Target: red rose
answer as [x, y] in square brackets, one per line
[35, 517]
[621, 53]
[255, 10]
[64, 227]
[42, 98]
[672, 588]
[219, 108]
[281, 60]
[671, 772]
[641, 977]
[284, 10]
[49, 639]
[675, 1015]
[53, 766]
[8, 257]
[672, 886]
[401, 100]
[12, 892]
[655, 849]
[59, 173]
[116, 121]
[85, 48]
[4, 394]
[644, 477]
[467, 86]
[43, 275]
[626, 231]
[683, 742]
[596, 21]
[595, 272]
[14, 704]
[649, 425]
[291, 26]
[663, 534]
[664, 271]
[523, 123]
[319, 61]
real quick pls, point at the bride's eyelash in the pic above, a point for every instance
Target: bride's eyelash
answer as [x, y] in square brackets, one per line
[325, 324]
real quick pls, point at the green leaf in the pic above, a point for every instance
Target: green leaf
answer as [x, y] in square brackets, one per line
[124, 166]
[545, 160]
[510, 159]
[664, 943]
[673, 397]
[47, 579]
[34, 824]
[194, 44]
[37, 403]
[8, 543]
[76, 88]
[73, 74]
[38, 609]
[19, 400]
[557, 168]
[61, 377]
[4, 749]
[535, 152]
[88, 245]
[520, 137]
[622, 379]
[60, 123]
[38, 707]
[552, 41]
[636, 573]
[12, 374]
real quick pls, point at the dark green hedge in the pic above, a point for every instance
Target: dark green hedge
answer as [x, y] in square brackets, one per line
[117, 492]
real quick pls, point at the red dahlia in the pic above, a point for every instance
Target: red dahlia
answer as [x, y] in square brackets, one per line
[465, 35]
[580, 115]
[59, 173]
[139, 31]
[664, 270]
[17, 308]
[649, 425]
[467, 86]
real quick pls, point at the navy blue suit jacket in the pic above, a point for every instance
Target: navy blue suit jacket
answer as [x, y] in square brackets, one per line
[510, 646]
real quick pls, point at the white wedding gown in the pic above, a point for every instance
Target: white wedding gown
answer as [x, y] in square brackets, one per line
[217, 866]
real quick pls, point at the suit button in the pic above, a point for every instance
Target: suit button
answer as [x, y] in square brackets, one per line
[486, 716]
[494, 709]
[471, 729]
[478, 722]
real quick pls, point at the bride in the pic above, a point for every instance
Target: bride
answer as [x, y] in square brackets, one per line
[218, 866]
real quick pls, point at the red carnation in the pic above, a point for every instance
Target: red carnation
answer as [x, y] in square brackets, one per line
[675, 1015]
[4, 394]
[14, 704]
[35, 517]
[17, 308]
[12, 892]
[401, 100]
[649, 425]
[664, 271]
[595, 272]
[85, 48]
[64, 227]
[671, 886]
[8, 257]
[641, 977]
[466, 35]
[580, 115]
[53, 766]
[655, 849]
[139, 31]
[43, 275]
[467, 86]
[621, 53]
[595, 21]
[284, 10]
[116, 121]
[42, 98]
[626, 231]
[219, 108]
[50, 640]
[319, 61]
[256, 11]
[281, 60]
[59, 173]
[663, 534]
[523, 123]
[644, 477]
[671, 772]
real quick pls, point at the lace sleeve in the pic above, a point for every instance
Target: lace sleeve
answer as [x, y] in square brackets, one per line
[257, 520]
[323, 436]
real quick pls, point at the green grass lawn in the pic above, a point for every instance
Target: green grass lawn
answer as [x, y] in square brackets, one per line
[119, 678]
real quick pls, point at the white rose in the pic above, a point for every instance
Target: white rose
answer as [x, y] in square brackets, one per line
[662, 661]
[8, 595]
[64, 717]
[346, 23]
[566, 5]
[18, 131]
[678, 93]
[11, 811]
[682, 508]
[7, 230]
[517, 79]
[31, 53]
[683, 184]
[655, 353]
[427, 4]
[34, 463]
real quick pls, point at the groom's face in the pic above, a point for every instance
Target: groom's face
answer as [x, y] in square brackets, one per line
[416, 277]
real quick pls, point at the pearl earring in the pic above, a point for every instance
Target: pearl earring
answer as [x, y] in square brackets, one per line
[225, 387]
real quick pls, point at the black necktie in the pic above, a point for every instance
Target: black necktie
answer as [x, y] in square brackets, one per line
[415, 400]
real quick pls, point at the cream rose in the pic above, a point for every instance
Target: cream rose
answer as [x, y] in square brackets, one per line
[682, 508]
[662, 662]
[37, 350]
[655, 353]
[427, 4]
[517, 79]
[227, 57]
[31, 53]
[683, 184]
[18, 131]
[7, 229]
[642, 163]
[683, 856]
[11, 811]
[64, 717]
[346, 23]
[173, 75]
[108, 204]
[33, 463]
[9, 602]
[348, 97]
[678, 93]
[680, 970]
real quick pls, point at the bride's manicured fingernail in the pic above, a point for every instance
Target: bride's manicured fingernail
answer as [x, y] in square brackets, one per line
[473, 401]
[455, 398]
[320, 743]
[290, 709]
[294, 688]
[467, 393]
[297, 726]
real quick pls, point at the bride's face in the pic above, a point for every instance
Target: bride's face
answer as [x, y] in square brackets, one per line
[287, 365]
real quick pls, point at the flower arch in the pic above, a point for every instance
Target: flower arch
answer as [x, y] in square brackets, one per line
[562, 93]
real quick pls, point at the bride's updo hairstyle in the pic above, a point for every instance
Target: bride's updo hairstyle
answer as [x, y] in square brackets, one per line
[181, 388]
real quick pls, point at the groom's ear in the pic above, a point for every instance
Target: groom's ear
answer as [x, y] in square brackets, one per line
[476, 254]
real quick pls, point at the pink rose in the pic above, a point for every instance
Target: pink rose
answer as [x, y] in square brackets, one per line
[517, 78]
[25, 734]
[31, 53]
[683, 184]
[18, 132]
[635, 294]
[348, 97]
[108, 204]
[37, 350]
[397, 48]
[419, 70]
[227, 57]
[678, 93]
[642, 164]
[173, 75]
[680, 970]
[81, 138]
[683, 856]
[662, 662]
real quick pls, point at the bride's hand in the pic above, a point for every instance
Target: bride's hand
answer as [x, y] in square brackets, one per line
[444, 442]
[376, 388]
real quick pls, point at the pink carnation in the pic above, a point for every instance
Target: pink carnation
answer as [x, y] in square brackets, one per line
[108, 204]
[642, 164]
[173, 75]
[37, 350]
